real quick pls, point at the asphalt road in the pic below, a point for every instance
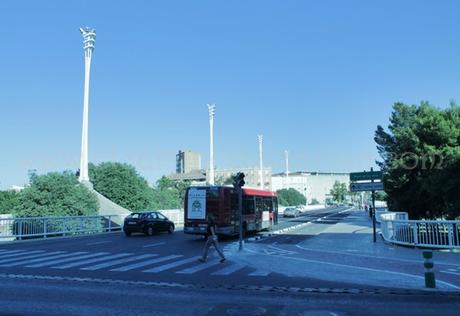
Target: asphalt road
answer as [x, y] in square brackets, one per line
[55, 297]
[160, 258]
[113, 274]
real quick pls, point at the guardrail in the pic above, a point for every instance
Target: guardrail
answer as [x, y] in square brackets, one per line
[429, 234]
[43, 227]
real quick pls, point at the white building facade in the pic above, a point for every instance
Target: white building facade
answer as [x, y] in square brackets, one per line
[313, 185]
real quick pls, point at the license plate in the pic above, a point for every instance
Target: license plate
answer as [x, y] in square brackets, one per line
[132, 223]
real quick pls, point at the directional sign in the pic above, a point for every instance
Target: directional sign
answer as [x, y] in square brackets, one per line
[362, 176]
[366, 186]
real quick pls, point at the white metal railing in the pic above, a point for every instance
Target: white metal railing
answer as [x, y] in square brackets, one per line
[430, 234]
[42, 227]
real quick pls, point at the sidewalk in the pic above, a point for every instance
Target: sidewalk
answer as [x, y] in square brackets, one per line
[345, 252]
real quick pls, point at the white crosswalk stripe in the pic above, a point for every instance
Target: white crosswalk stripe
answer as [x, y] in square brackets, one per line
[26, 262]
[84, 262]
[145, 263]
[53, 262]
[22, 255]
[171, 265]
[122, 262]
[199, 267]
[229, 269]
[117, 262]
[5, 253]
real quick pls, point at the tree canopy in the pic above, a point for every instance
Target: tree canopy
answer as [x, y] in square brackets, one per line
[121, 183]
[339, 191]
[8, 201]
[55, 194]
[420, 158]
[290, 197]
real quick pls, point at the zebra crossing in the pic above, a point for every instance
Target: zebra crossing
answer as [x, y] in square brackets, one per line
[122, 262]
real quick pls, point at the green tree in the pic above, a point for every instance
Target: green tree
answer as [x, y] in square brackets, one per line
[290, 197]
[8, 201]
[339, 191]
[122, 184]
[421, 160]
[314, 202]
[169, 194]
[55, 194]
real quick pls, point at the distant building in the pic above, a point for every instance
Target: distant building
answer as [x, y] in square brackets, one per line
[188, 161]
[313, 185]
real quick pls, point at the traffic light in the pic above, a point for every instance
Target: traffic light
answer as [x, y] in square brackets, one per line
[238, 180]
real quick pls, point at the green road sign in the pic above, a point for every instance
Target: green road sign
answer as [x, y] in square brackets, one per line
[370, 175]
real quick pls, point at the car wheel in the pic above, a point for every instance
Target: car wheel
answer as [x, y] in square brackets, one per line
[127, 234]
[149, 231]
[171, 229]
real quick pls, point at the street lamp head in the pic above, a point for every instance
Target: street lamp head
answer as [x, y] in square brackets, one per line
[211, 109]
[89, 37]
[260, 137]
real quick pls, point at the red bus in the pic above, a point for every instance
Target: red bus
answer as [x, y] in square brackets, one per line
[260, 209]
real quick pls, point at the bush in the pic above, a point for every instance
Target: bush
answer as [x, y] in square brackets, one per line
[8, 201]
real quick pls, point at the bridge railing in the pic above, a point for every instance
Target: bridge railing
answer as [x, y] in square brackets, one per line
[430, 234]
[42, 227]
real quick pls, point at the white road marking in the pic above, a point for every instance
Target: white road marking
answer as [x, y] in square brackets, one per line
[146, 263]
[26, 262]
[98, 243]
[81, 263]
[199, 267]
[171, 265]
[155, 244]
[230, 269]
[117, 262]
[450, 272]
[21, 254]
[369, 269]
[50, 263]
[371, 256]
[2, 255]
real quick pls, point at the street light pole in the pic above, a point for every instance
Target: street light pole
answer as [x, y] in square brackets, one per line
[286, 157]
[89, 39]
[212, 110]
[260, 138]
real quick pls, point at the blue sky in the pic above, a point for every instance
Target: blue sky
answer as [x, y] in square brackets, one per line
[315, 77]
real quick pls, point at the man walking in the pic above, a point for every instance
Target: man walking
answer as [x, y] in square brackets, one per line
[212, 240]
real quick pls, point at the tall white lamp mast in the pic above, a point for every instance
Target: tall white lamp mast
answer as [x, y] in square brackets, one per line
[89, 39]
[286, 157]
[260, 138]
[212, 110]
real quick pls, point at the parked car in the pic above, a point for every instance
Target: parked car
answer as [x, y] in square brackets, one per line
[291, 212]
[147, 223]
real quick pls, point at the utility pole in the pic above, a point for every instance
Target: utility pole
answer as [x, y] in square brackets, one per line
[286, 157]
[212, 111]
[89, 39]
[260, 138]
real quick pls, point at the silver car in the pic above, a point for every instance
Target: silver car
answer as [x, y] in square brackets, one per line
[291, 212]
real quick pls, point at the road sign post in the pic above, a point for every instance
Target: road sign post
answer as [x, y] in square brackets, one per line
[368, 186]
[373, 212]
